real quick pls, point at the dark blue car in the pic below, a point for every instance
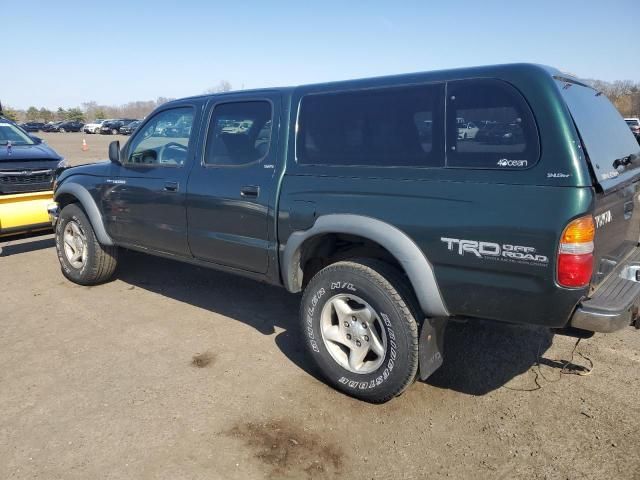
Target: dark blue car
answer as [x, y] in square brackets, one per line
[26, 163]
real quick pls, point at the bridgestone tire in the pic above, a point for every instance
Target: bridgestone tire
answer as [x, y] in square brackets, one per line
[389, 295]
[100, 261]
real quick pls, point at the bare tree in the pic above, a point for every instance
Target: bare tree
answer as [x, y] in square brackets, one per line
[624, 94]
[222, 86]
[32, 114]
[46, 115]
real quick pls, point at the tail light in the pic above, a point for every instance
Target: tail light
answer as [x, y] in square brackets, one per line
[575, 255]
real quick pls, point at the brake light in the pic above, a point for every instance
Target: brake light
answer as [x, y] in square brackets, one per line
[575, 255]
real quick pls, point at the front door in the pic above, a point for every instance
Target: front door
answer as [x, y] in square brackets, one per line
[145, 205]
[231, 191]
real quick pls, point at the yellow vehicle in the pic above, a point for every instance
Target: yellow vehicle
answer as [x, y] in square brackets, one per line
[24, 212]
[27, 170]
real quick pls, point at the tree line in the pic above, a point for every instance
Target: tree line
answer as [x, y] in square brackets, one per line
[92, 110]
[86, 112]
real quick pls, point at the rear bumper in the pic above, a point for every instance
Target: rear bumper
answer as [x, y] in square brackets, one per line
[24, 212]
[616, 302]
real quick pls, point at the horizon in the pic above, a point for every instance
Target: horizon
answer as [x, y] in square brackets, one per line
[182, 51]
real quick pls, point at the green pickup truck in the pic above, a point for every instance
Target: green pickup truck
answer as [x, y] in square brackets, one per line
[395, 204]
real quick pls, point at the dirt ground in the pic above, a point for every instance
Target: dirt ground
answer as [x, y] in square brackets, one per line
[176, 372]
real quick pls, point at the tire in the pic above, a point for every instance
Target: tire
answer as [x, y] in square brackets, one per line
[83, 260]
[62, 130]
[114, 131]
[372, 297]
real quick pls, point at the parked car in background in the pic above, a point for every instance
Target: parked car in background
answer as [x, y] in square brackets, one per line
[130, 128]
[51, 127]
[500, 134]
[113, 127]
[27, 169]
[467, 130]
[32, 126]
[68, 126]
[634, 125]
[93, 127]
[178, 130]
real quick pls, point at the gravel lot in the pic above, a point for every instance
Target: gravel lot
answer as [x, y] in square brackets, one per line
[176, 372]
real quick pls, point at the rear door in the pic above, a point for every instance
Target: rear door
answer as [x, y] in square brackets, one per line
[610, 148]
[231, 191]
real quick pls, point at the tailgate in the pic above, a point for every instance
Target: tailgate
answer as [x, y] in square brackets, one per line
[610, 148]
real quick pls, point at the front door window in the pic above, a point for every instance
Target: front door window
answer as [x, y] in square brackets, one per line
[164, 141]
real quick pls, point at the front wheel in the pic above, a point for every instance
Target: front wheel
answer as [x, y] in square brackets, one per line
[359, 321]
[83, 259]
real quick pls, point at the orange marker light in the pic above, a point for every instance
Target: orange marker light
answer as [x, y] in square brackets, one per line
[581, 230]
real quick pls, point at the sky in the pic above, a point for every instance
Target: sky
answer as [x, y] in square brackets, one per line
[68, 52]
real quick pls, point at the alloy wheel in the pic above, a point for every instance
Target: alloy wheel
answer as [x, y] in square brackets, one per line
[353, 333]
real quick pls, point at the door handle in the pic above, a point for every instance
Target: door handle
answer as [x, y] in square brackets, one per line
[250, 191]
[171, 186]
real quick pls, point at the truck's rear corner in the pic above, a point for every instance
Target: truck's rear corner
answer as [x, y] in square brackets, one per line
[599, 251]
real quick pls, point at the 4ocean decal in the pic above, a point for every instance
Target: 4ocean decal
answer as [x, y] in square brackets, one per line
[505, 162]
[496, 251]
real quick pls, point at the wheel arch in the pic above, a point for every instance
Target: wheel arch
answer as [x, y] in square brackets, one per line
[74, 193]
[392, 240]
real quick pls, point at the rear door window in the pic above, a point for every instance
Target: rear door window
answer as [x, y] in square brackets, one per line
[489, 125]
[382, 127]
[239, 134]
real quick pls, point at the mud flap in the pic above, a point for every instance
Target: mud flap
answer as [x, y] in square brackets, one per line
[431, 346]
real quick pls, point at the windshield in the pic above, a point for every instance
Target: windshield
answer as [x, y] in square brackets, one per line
[605, 134]
[13, 134]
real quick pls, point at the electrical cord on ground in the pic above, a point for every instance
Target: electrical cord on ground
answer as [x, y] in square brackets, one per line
[579, 370]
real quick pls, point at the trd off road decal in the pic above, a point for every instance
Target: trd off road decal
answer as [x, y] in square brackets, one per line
[495, 251]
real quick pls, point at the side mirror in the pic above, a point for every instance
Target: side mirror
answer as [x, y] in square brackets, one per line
[114, 152]
[36, 140]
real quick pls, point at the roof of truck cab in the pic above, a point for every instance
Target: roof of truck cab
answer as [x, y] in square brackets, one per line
[488, 71]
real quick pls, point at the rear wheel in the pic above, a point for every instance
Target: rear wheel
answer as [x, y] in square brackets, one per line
[83, 259]
[360, 328]
[62, 130]
[114, 131]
